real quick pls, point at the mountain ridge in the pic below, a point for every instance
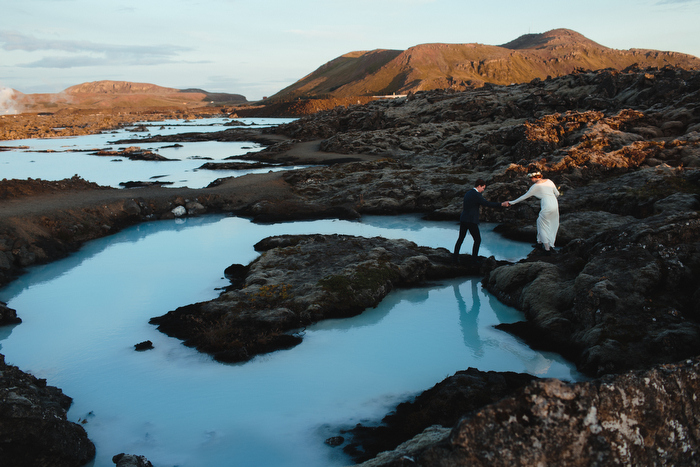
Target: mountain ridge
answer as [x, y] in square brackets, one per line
[458, 66]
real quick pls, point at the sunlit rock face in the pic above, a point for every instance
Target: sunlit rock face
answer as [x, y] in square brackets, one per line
[642, 418]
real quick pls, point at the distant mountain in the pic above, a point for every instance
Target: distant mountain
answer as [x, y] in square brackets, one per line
[458, 66]
[115, 88]
[122, 94]
[118, 87]
[219, 97]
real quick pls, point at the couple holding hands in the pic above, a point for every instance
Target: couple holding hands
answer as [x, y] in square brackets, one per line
[547, 221]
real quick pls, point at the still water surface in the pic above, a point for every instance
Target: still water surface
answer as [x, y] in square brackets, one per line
[83, 315]
[59, 158]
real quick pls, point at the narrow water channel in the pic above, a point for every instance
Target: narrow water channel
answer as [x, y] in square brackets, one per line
[83, 315]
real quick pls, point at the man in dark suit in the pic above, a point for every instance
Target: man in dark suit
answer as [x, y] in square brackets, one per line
[469, 219]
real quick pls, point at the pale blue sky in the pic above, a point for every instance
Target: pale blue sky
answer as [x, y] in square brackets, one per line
[258, 47]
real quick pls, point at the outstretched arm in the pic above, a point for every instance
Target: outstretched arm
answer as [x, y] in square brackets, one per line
[489, 204]
[527, 194]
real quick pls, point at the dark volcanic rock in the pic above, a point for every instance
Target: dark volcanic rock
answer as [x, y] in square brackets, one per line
[145, 345]
[623, 299]
[640, 418]
[131, 460]
[444, 404]
[8, 315]
[299, 280]
[133, 153]
[583, 130]
[34, 429]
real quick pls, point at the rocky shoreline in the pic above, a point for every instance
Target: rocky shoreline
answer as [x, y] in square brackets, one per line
[620, 298]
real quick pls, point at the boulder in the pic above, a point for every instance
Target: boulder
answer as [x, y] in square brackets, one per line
[131, 460]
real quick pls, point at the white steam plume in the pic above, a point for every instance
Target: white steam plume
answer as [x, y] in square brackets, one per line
[7, 101]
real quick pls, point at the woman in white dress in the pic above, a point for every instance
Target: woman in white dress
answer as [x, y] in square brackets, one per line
[548, 220]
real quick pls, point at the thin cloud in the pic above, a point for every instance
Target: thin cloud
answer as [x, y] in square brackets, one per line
[88, 53]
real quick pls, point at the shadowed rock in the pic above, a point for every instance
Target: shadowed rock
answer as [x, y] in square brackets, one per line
[34, 429]
[611, 421]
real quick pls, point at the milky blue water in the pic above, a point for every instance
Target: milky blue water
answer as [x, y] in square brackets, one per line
[83, 315]
[59, 158]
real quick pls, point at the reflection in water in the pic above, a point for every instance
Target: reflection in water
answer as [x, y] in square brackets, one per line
[468, 318]
[83, 315]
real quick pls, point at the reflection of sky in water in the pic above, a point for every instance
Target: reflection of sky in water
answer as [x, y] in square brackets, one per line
[28, 161]
[82, 316]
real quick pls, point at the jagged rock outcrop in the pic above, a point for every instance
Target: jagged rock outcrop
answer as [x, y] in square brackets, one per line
[34, 429]
[440, 406]
[639, 418]
[625, 298]
[299, 280]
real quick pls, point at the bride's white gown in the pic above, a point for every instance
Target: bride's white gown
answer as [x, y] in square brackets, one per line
[548, 220]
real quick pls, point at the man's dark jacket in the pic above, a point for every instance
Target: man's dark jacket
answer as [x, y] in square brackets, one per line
[470, 207]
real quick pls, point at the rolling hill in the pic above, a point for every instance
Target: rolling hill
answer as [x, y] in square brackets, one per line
[123, 94]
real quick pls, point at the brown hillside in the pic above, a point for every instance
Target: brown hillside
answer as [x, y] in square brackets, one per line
[99, 95]
[119, 87]
[348, 68]
[459, 66]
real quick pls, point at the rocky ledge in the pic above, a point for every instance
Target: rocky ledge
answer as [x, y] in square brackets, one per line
[302, 279]
[637, 418]
[625, 298]
[34, 429]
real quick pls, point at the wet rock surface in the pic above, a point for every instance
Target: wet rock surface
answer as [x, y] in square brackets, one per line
[34, 429]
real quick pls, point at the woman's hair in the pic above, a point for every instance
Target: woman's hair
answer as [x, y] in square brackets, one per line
[533, 171]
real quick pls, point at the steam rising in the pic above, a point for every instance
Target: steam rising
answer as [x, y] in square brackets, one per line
[7, 101]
